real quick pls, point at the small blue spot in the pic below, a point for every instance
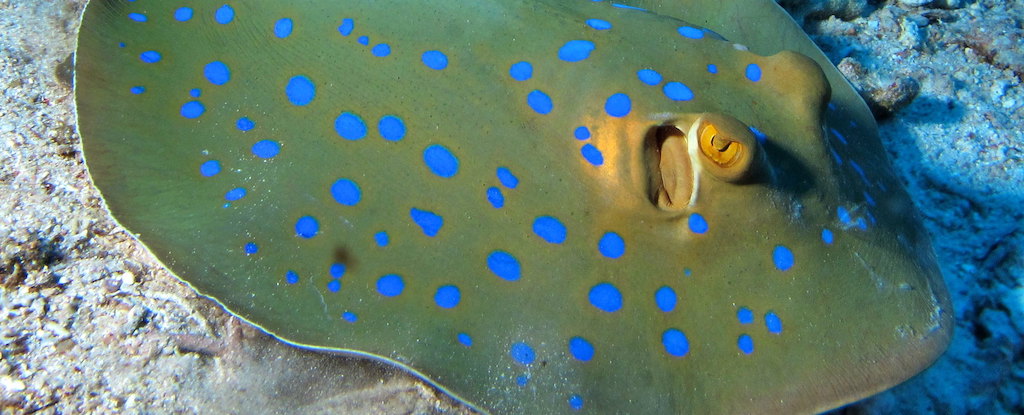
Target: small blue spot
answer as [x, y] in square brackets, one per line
[307, 227]
[676, 91]
[291, 277]
[549, 229]
[363, 40]
[744, 315]
[844, 215]
[195, 92]
[346, 192]
[606, 297]
[430, 222]
[870, 200]
[575, 402]
[183, 14]
[337, 270]
[251, 248]
[599, 24]
[506, 178]
[611, 245]
[698, 224]
[665, 298]
[224, 15]
[623, 6]
[192, 109]
[581, 349]
[687, 272]
[782, 257]
[266, 149]
[691, 32]
[350, 126]
[581, 133]
[753, 72]
[390, 285]
[827, 237]
[334, 286]
[283, 28]
[447, 296]
[761, 137]
[150, 56]
[350, 317]
[464, 339]
[522, 353]
[382, 238]
[381, 50]
[495, 197]
[300, 90]
[217, 73]
[773, 322]
[745, 343]
[712, 68]
[209, 168]
[504, 265]
[649, 76]
[138, 90]
[346, 27]
[440, 160]
[839, 136]
[391, 128]
[121, 45]
[592, 154]
[235, 194]
[539, 102]
[675, 342]
[138, 17]
[522, 380]
[435, 60]
[575, 50]
[521, 71]
[618, 105]
[245, 124]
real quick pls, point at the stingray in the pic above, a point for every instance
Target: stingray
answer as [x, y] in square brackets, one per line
[538, 206]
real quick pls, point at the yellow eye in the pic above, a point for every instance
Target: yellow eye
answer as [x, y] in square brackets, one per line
[728, 146]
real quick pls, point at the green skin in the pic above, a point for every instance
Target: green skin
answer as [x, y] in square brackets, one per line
[859, 315]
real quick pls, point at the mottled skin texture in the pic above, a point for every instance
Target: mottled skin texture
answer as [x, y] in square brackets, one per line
[859, 314]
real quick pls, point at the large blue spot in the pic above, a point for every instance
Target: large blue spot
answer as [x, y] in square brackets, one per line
[495, 197]
[283, 28]
[782, 257]
[465, 339]
[435, 60]
[506, 178]
[447, 296]
[773, 322]
[549, 229]
[381, 50]
[521, 71]
[251, 248]
[575, 402]
[575, 50]
[665, 298]
[592, 154]
[350, 126]
[183, 14]
[300, 90]
[581, 349]
[209, 168]
[753, 72]
[381, 238]
[440, 160]
[391, 128]
[224, 15]
[346, 27]
[744, 315]
[522, 353]
[346, 192]
[334, 286]
[350, 317]
[504, 265]
[235, 194]
[337, 270]
[266, 149]
[192, 109]
[150, 56]
[307, 227]
[697, 223]
[430, 222]
[606, 297]
[611, 245]
[676, 91]
[138, 17]
[712, 68]
[675, 342]
[581, 133]
[138, 90]
[745, 343]
[390, 285]
[618, 105]
[539, 102]
[217, 73]
[245, 124]
[599, 24]
[691, 32]
[827, 237]
[291, 277]
[649, 76]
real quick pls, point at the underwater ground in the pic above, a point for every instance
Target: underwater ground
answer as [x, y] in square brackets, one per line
[91, 322]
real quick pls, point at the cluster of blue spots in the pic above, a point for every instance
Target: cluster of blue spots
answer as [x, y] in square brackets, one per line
[753, 72]
[382, 239]
[183, 14]
[677, 91]
[334, 286]
[522, 353]
[346, 27]
[390, 285]
[712, 68]
[217, 73]
[435, 60]
[665, 298]
[605, 297]
[300, 90]
[192, 109]
[675, 342]
[440, 160]
[349, 317]
[827, 237]
[235, 194]
[209, 168]
[697, 223]
[381, 50]
[447, 296]
[522, 380]
[283, 28]
[691, 32]
[744, 315]
[346, 192]
[745, 343]
[539, 102]
[350, 126]
[773, 322]
[138, 17]
[581, 133]
[549, 229]
[307, 227]
[581, 349]
[429, 222]
[391, 128]
[291, 277]
[782, 257]
[150, 56]
[599, 24]
[195, 92]
[575, 402]
[337, 270]
[618, 105]
[464, 339]
[575, 50]
[245, 124]
[611, 245]
[495, 197]
[363, 40]
[591, 154]
[504, 265]
[266, 149]
[138, 90]
[521, 71]
[506, 178]
[224, 15]
[649, 76]
[251, 248]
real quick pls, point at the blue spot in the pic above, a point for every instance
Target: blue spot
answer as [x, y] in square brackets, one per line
[334, 286]
[676, 91]
[773, 322]
[195, 92]
[522, 380]
[744, 315]
[217, 73]
[121, 45]
[435, 60]
[611, 245]
[138, 90]
[430, 222]
[346, 27]
[838, 136]
[464, 339]
[599, 24]
[867, 198]
[549, 229]
[575, 402]
[363, 40]
[539, 102]
[649, 76]
[283, 28]
[687, 272]
[391, 128]
[307, 227]
[245, 124]
[300, 90]
[698, 224]
[675, 342]
[150, 56]
[522, 353]
[382, 238]
[665, 298]
[592, 154]
[390, 285]
[440, 160]
[745, 343]
[691, 32]
[209, 168]
[183, 14]
[350, 126]
[753, 72]
[138, 17]
[712, 68]
[504, 265]
[521, 71]
[575, 50]
[761, 137]
[495, 197]
[192, 109]
[782, 257]
[623, 6]
[581, 349]
[581, 133]
[235, 194]
[266, 149]
[447, 296]
[346, 192]
[337, 270]
[291, 277]
[844, 215]
[827, 237]
[606, 297]
[506, 178]
[251, 248]
[618, 105]
[381, 50]
[224, 15]
[350, 317]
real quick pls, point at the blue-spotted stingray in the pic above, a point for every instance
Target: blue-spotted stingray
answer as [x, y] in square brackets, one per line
[539, 206]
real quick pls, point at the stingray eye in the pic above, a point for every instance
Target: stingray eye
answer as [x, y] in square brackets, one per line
[728, 147]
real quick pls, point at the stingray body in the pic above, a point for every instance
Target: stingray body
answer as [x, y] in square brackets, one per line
[539, 206]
